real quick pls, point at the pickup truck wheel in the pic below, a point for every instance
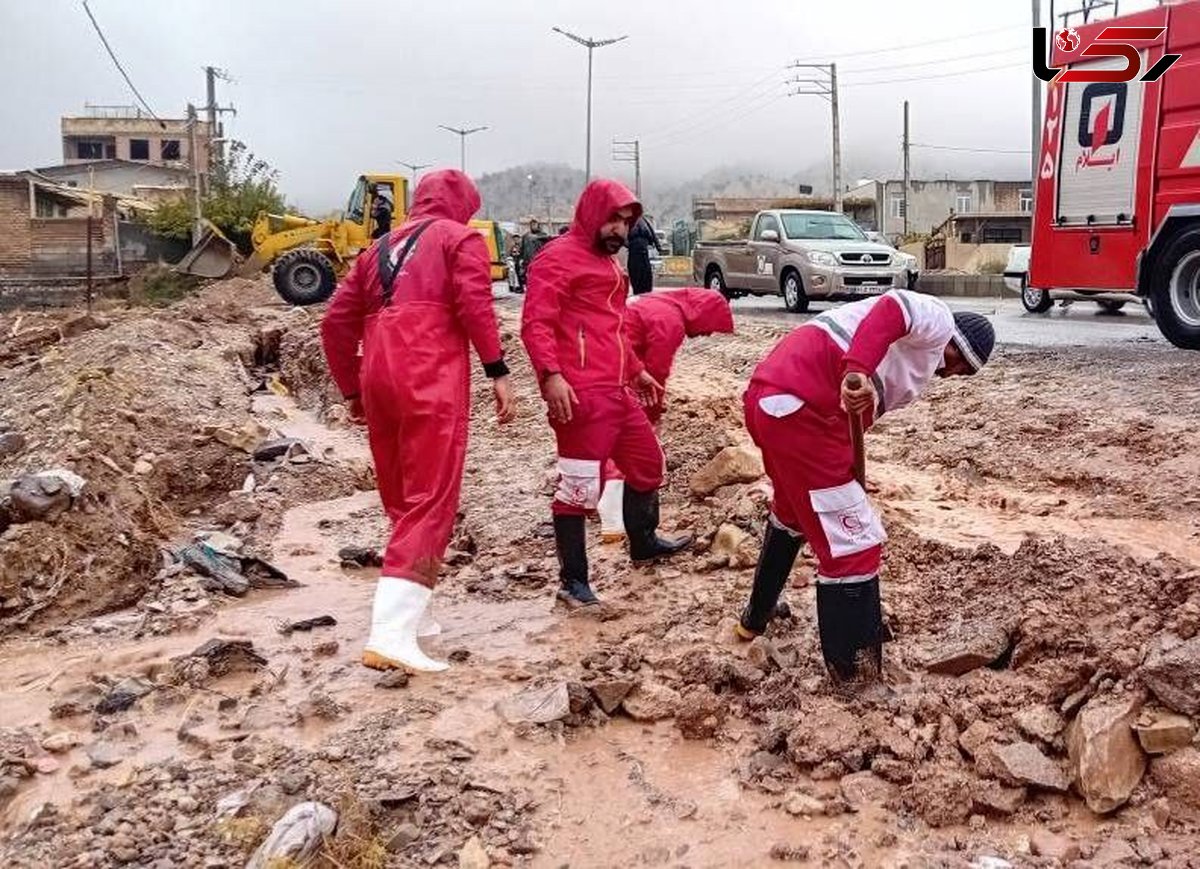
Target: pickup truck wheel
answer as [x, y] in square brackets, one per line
[304, 277]
[714, 280]
[1110, 307]
[1035, 301]
[1175, 291]
[794, 297]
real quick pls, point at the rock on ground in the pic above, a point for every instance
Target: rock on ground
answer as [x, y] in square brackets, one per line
[700, 712]
[1107, 759]
[941, 796]
[972, 645]
[1024, 763]
[862, 789]
[1174, 677]
[651, 701]
[1177, 775]
[740, 464]
[1162, 732]
[1040, 722]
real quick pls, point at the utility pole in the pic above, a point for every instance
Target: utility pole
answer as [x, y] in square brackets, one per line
[630, 152]
[907, 146]
[462, 134]
[1035, 121]
[216, 130]
[197, 215]
[532, 184]
[590, 45]
[825, 86]
[413, 169]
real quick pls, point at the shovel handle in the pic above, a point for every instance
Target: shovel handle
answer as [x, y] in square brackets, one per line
[856, 434]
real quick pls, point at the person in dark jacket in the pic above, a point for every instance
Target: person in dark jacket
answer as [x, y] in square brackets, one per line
[641, 237]
[381, 211]
[531, 243]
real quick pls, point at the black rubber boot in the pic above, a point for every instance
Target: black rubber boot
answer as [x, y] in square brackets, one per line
[850, 622]
[775, 560]
[640, 511]
[570, 538]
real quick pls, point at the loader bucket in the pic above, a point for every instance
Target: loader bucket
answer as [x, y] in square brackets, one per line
[213, 256]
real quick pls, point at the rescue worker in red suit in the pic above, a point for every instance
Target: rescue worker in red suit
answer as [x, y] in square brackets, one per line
[417, 300]
[797, 407]
[656, 325]
[573, 329]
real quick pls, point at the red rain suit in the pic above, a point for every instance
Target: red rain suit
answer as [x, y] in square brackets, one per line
[414, 373]
[573, 325]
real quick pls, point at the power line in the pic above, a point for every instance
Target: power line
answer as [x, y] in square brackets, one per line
[1024, 151]
[120, 68]
[957, 38]
[956, 74]
[937, 60]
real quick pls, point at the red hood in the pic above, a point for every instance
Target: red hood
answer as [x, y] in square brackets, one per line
[705, 312]
[447, 194]
[597, 203]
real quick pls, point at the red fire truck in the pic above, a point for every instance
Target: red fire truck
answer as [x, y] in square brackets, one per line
[1117, 208]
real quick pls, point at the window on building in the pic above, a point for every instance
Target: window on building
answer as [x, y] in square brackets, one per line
[139, 149]
[1026, 201]
[110, 152]
[170, 149]
[89, 150]
[965, 237]
[896, 205]
[1001, 235]
[962, 203]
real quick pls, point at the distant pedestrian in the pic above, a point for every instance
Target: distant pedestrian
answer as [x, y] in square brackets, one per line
[531, 243]
[641, 237]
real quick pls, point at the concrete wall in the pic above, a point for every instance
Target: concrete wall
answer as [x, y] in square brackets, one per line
[971, 257]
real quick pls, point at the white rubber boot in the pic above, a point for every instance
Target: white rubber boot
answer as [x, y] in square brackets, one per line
[612, 517]
[399, 606]
[429, 627]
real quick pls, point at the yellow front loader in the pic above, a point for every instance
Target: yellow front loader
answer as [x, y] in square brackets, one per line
[307, 256]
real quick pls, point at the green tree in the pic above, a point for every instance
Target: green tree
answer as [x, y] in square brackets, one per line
[239, 187]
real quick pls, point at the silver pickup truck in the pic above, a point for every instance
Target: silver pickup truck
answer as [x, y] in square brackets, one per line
[802, 255]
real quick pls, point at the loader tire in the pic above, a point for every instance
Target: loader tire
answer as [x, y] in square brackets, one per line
[304, 277]
[1175, 289]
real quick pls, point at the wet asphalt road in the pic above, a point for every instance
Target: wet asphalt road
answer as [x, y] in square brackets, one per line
[1077, 324]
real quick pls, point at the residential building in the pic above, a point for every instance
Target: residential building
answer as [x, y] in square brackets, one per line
[123, 177]
[931, 203]
[729, 216]
[44, 229]
[128, 133]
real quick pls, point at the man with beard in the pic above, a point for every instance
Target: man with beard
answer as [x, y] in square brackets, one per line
[593, 383]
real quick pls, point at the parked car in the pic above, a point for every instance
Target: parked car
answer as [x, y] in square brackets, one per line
[911, 263]
[801, 255]
[1038, 301]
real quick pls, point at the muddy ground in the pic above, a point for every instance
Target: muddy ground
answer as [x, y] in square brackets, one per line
[1041, 584]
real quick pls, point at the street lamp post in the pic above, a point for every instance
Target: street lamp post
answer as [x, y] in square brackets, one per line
[590, 45]
[532, 185]
[462, 134]
[413, 168]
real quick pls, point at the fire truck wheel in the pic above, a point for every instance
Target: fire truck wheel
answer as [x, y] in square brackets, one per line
[1175, 292]
[1035, 301]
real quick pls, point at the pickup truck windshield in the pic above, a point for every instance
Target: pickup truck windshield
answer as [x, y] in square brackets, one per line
[821, 226]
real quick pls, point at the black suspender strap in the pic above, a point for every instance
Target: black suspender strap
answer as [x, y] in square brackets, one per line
[388, 272]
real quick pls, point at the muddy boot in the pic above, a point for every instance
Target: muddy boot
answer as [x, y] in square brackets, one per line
[570, 537]
[775, 562]
[641, 524]
[850, 622]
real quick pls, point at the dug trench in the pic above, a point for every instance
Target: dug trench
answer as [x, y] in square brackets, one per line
[1041, 588]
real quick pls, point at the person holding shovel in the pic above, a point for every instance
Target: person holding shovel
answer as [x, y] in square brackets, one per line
[849, 365]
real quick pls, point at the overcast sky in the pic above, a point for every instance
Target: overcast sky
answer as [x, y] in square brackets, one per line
[326, 90]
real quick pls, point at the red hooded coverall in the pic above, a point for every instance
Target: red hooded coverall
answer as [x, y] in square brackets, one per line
[414, 373]
[573, 325]
[657, 323]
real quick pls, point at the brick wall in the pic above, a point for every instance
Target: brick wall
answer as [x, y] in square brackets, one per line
[14, 226]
